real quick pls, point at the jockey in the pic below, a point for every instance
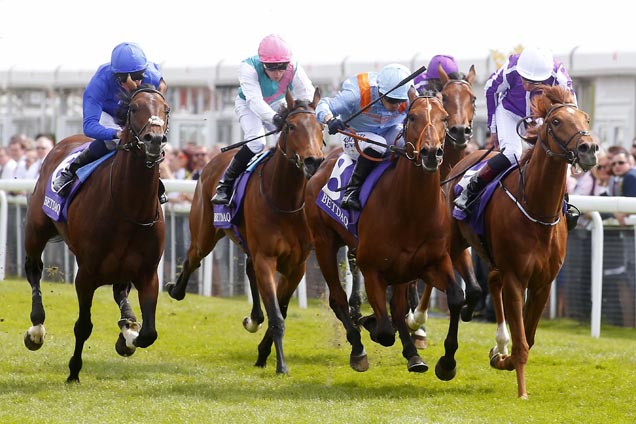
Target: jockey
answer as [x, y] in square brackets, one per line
[381, 123]
[429, 80]
[263, 82]
[127, 70]
[508, 93]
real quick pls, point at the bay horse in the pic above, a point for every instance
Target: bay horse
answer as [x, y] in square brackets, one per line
[403, 234]
[115, 228]
[525, 231]
[458, 99]
[273, 226]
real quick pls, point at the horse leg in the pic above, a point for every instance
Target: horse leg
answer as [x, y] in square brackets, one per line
[446, 367]
[264, 268]
[398, 310]
[502, 338]
[83, 326]
[355, 301]
[417, 318]
[327, 257]
[202, 244]
[128, 325]
[34, 336]
[379, 325]
[254, 321]
[417, 315]
[147, 292]
[464, 265]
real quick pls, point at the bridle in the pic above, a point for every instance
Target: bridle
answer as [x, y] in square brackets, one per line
[415, 157]
[470, 124]
[136, 142]
[294, 158]
[569, 155]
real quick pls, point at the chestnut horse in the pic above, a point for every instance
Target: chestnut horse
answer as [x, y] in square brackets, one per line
[459, 102]
[403, 234]
[273, 224]
[525, 232]
[115, 228]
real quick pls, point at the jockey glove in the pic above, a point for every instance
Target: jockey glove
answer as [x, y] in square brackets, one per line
[335, 124]
[278, 121]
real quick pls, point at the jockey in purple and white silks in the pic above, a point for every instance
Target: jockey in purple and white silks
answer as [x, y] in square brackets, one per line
[508, 93]
[380, 123]
[127, 70]
[429, 80]
[263, 82]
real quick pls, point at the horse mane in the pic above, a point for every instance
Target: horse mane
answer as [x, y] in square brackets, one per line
[540, 106]
[124, 97]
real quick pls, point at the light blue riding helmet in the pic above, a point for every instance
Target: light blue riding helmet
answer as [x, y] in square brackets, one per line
[390, 76]
[128, 57]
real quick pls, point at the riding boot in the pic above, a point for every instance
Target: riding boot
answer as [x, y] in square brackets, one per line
[239, 162]
[572, 214]
[363, 167]
[478, 182]
[62, 183]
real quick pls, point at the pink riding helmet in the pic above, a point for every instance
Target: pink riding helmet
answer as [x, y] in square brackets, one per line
[274, 49]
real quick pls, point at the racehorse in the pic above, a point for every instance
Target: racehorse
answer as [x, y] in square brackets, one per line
[403, 234]
[115, 228]
[525, 233]
[459, 102]
[273, 226]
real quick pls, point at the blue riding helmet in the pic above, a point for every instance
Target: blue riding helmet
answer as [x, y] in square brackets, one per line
[127, 58]
[390, 76]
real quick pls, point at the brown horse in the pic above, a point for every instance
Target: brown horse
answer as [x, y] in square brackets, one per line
[273, 224]
[525, 232]
[459, 102]
[403, 234]
[115, 228]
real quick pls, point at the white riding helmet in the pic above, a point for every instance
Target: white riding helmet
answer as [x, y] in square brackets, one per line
[390, 76]
[535, 64]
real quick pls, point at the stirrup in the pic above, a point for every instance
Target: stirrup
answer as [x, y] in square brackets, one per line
[222, 197]
[351, 202]
[63, 182]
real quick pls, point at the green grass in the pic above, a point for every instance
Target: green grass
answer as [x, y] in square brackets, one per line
[200, 370]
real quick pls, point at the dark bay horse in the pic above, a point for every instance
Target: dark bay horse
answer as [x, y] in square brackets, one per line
[115, 228]
[525, 232]
[273, 224]
[404, 234]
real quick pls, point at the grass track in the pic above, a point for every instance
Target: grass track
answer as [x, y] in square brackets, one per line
[201, 370]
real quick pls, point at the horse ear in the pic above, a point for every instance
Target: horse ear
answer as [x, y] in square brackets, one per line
[471, 75]
[412, 94]
[289, 99]
[317, 96]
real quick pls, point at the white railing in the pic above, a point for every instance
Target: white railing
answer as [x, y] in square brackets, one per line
[592, 204]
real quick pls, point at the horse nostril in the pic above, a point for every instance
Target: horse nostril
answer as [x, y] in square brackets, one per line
[439, 153]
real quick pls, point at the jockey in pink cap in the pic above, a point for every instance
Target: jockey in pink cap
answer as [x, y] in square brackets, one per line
[263, 81]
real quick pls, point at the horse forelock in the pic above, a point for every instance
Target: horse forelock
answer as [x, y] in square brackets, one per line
[550, 95]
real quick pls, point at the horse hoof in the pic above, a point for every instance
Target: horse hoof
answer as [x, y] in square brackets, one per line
[250, 325]
[466, 314]
[173, 293]
[360, 362]
[445, 373]
[30, 344]
[122, 349]
[416, 364]
[72, 380]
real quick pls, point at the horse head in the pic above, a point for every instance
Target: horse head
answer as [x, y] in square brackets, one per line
[301, 139]
[146, 125]
[459, 101]
[425, 130]
[565, 129]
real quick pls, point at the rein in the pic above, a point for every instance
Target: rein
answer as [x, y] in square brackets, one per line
[416, 148]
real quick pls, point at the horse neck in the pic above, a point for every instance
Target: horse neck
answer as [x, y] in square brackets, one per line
[411, 185]
[545, 183]
[452, 155]
[133, 185]
[283, 182]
